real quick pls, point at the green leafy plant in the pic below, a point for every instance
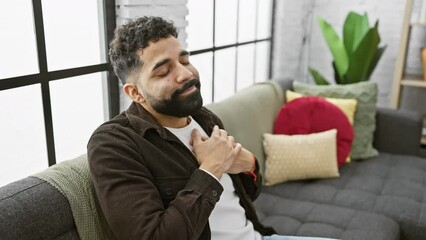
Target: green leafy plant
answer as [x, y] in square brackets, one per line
[356, 55]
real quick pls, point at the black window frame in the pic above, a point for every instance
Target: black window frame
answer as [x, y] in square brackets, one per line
[215, 48]
[44, 77]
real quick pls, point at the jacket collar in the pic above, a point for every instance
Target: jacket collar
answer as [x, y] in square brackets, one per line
[142, 121]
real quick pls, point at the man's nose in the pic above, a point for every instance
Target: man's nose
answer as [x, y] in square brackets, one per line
[183, 74]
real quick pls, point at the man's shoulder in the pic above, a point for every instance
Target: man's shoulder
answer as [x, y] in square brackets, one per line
[119, 123]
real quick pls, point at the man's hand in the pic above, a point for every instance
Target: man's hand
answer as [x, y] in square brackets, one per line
[243, 163]
[217, 153]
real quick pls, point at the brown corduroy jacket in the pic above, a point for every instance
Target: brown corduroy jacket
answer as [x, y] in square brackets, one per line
[149, 184]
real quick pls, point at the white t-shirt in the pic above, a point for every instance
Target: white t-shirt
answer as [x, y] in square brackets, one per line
[227, 220]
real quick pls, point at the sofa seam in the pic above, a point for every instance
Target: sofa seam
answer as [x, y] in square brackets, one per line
[23, 190]
[306, 217]
[325, 204]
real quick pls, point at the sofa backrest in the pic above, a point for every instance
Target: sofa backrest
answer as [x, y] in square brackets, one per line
[250, 113]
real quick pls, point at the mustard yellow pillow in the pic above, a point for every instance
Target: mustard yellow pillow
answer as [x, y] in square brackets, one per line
[348, 106]
[298, 157]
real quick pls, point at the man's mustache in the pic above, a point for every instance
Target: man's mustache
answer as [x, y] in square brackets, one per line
[187, 85]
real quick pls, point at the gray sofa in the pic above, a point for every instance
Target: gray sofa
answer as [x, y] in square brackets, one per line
[380, 198]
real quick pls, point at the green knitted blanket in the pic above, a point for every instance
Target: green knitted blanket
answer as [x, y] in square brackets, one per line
[72, 179]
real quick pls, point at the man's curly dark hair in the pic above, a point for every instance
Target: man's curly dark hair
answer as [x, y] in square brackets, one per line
[133, 36]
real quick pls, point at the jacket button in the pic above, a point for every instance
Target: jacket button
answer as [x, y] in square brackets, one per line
[214, 193]
[168, 191]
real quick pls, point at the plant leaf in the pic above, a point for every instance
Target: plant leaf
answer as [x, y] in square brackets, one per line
[336, 46]
[362, 58]
[376, 59]
[337, 78]
[319, 79]
[354, 30]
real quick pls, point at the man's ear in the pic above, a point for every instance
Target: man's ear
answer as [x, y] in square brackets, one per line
[131, 90]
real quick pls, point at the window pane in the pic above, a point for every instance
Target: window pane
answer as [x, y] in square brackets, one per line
[74, 33]
[247, 20]
[77, 110]
[22, 139]
[224, 74]
[262, 61]
[245, 68]
[264, 17]
[226, 22]
[18, 42]
[203, 63]
[200, 24]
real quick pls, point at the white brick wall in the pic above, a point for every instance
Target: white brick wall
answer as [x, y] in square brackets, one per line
[174, 10]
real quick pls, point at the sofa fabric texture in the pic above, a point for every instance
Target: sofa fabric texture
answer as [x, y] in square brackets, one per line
[390, 185]
[304, 218]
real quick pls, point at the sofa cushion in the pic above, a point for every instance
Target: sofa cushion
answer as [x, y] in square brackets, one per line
[33, 209]
[302, 218]
[390, 185]
[297, 157]
[314, 114]
[365, 116]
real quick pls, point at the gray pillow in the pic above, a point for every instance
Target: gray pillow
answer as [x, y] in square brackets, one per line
[365, 115]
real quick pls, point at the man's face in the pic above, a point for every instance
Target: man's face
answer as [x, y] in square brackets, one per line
[167, 80]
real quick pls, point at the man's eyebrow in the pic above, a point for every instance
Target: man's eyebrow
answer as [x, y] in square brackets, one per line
[160, 63]
[165, 61]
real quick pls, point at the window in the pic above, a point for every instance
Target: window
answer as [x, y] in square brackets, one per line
[55, 83]
[229, 42]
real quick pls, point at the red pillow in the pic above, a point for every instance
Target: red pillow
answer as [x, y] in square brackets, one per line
[312, 115]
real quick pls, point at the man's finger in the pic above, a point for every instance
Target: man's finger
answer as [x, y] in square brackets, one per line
[237, 148]
[231, 140]
[195, 136]
[215, 131]
[223, 133]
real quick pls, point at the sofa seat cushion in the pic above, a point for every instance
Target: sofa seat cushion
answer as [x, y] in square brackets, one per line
[390, 185]
[300, 218]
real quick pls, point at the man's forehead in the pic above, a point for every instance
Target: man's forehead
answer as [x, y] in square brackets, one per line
[163, 48]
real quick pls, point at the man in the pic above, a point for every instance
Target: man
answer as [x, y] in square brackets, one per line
[165, 168]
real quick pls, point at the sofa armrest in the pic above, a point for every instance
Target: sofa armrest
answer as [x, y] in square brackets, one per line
[285, 84]
[33, 209]
[398, 131]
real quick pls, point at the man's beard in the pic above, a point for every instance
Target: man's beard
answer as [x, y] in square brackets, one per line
[177, 105]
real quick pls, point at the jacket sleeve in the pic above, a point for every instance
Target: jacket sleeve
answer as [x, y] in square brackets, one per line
[251, 184]
[132, 203]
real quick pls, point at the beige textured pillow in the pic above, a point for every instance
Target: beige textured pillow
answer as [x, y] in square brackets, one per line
[297, 157]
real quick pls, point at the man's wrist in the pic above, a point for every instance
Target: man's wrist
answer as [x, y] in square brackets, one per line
[253, 167]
